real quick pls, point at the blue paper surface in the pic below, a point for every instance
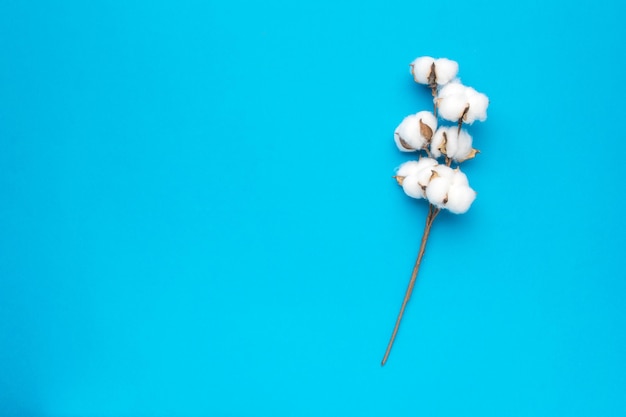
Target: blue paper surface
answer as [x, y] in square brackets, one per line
[197, 214]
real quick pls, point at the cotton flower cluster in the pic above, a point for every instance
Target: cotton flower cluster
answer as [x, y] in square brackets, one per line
[422, 131]
[443, 186]
[453, 144]
[415, 132]
[432, 177]
[457, 102]
[433, 72]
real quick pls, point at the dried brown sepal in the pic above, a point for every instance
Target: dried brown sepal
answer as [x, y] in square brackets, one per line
[432, 79]
[399, 179]
[445, 199]
[426, 131]
[463, 117]
[433, 175]
[464, 114]
[471, 155]
[404, 144]
[442, 147]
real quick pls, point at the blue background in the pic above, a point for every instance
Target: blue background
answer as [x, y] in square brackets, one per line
[197, 214]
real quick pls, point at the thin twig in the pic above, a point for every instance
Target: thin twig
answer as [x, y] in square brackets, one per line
[432, 214]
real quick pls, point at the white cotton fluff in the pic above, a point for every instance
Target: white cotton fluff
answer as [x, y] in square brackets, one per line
[416, 176]
[478, 103]
[420, 68]
[407, 133]
[425, 164]
[437, 191]
[438, 187]
[435, 143]
[444, 171]
[460, 198]
[408, 168]
[411, 187]
[451, 107]
[450, 189]
[451, 89]
[463, 146]
[452, 141]
[424, 174]
[445, 70]
[410, 131]
[459, 179]
[415, 167]
[454, 98]
[458, 146]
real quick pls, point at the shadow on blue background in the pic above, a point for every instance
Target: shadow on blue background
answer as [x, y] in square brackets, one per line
[198, 215]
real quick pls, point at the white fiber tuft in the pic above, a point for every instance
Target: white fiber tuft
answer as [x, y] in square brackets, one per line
[452, 107]
[408, 131]
[444, 171]
[459, 179]
[452, 144]
[408, 168]
[445, 70]
[411, 186]
[420, 68]
[416, 176]
[478, 103]
[425, 164]
[435, 144]
[451, 89]
[460, 198]
[437, 191]
[454, 98]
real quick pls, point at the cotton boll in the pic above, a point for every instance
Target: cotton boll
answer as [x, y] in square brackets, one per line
[415, 131]
[464, 148]
[411, 187]
[437, 191]
[451, 145]
[407, 134]
[451, 107]
[445, 70]
[420, 68]
[459, 179]
[401, 143]
[414, 176]
[460, 198]
[409, 168]
[478, 103]
[451, 89]
[454, 98]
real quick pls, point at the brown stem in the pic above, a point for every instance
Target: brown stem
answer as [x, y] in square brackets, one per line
[432, 213]
[462, 118]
